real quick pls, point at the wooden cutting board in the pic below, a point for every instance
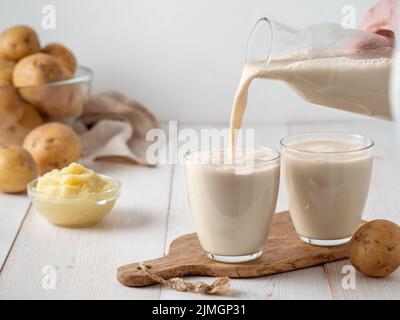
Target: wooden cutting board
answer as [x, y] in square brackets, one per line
[284, 251]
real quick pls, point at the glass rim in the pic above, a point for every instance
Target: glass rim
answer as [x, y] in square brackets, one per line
[115, 191]
[86, 77]
[369, 142]
[270, 35]
[276, 157]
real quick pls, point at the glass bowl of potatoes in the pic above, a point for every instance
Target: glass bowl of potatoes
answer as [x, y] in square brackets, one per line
[58, 99]
[24, 108]
[38, 83]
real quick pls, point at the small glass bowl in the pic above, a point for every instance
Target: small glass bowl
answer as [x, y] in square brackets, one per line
[75, 211]
[59, 100]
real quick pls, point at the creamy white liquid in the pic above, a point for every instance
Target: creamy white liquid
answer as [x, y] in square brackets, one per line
[349, 83]
[327, 191]
[232, 204]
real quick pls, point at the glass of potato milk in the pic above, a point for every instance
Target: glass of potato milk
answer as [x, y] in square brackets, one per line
[232, 201]
[327, 178]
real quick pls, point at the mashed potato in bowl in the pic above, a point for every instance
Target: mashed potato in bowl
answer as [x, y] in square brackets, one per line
[74, 196]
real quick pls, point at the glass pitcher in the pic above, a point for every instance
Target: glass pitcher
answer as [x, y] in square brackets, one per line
[326, 64]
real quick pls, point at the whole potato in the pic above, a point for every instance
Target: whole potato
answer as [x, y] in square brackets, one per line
[11, 105]
[38, 69]
[375, 248]
[53, 146]
[63, 55]
[18, 42]
[16, 132]
[33, 72]
[17, 168]
[6, 69]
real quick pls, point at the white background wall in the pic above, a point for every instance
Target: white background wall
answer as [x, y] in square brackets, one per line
[181, 58]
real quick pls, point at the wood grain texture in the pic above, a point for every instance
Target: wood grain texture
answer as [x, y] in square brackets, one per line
[283, 252]
[84, 260]
[287, 285]
[149, 215]
[13, 208]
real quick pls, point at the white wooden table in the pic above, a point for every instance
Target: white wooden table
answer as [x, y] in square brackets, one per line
[151, 212]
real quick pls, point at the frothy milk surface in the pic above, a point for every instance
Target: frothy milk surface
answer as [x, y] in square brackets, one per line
[353, 83]
[327, 190]
[232, 204]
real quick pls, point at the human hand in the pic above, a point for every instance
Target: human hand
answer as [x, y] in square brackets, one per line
[381, 19]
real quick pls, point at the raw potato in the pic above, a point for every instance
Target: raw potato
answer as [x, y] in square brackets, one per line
[18, 42]
[6, 69]
[17, 168]
[11, 105]
[57, 101]
[53, 146]
[31, 118]
[16, 132]
[38, 69]
[63, 55]
[33, 72]
[375, 248]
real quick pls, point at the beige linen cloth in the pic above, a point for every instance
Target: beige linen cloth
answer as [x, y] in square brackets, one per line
[113, 127]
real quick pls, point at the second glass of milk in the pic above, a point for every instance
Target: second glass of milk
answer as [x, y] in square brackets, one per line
[232, 201]
[328, 178]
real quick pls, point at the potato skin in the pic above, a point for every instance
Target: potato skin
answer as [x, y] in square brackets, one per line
[17, 168]
[57, 101]
[11, 105]
[36, 70]
[31, 118]
[6, 70]
[375, 248]
[18, 42]
[63, 55]
[15, 132]
[53, 146]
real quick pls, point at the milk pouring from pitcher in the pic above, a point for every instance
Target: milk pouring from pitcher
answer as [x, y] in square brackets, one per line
[325, 64]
